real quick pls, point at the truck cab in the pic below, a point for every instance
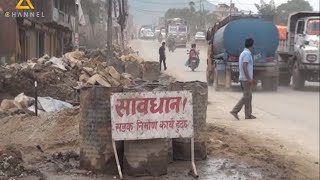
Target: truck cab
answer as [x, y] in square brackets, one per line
[299, 53]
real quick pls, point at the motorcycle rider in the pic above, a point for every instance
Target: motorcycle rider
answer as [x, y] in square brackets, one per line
[171, 42]
[193, 53]
[160, 37]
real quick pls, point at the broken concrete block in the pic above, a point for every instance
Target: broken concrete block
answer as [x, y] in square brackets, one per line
[23, 100]
[88, 70]
[84, 77]
[97, 78]
[113, 82]
[114, 73]
[7, 104]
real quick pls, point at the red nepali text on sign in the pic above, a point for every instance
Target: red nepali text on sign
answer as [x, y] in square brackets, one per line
[149, 105]
[151, 125]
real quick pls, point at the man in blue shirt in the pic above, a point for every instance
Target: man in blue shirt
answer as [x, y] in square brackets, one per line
[246, 80]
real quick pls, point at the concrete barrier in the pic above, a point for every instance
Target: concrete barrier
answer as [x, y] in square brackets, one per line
[134, 68]
[96, 152]
[146, 157]
[151, 70]
[182, 147]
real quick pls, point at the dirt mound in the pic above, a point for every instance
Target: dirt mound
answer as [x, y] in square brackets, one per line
[51, 131]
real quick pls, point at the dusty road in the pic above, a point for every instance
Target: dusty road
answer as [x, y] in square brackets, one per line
[288, 120]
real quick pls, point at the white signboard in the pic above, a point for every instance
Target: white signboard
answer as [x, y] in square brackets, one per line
[149, 115]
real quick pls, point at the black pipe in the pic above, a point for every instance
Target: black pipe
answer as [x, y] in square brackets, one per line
[36, 97]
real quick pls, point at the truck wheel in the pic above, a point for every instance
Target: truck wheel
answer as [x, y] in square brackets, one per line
[270, 84]
[284, 80]
[297, 77]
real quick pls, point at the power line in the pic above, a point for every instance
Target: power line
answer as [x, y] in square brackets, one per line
[157, 3]
[243, 5]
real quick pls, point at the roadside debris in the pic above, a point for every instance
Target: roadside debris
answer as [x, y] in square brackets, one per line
[25, 103]
[57, 77]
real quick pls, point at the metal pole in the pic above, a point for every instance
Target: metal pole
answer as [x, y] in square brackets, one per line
[36, 97]
[117, 158]
[76, 34]
[201, 13]
[192, 159]
[230, 8]
[109, 40]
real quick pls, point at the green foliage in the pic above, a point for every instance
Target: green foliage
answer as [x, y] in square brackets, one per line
[284, 10]
[192, 8]
[267, 10]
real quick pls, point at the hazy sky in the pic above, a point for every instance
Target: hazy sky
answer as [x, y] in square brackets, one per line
[249, 4]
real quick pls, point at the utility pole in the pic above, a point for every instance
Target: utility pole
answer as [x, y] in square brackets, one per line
[201, 14]
[116, 15]
[76, 28]
[109, 33]
[230, 8]
[122, 19]
[204, 17]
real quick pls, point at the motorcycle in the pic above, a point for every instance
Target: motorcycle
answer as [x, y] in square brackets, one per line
[172, 47]
[160, 39]
[194, 61]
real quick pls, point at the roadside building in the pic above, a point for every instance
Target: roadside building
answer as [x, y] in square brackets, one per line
[223, 10]
[46, 29]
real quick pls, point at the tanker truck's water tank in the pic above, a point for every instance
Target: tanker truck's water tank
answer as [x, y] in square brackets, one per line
[231, 38]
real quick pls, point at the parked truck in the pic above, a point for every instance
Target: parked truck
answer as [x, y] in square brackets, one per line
[177, 28]
[298, 51]
[228, 43]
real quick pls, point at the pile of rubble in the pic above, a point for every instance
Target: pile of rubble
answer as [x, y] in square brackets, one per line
[10, 163]
[59, 78]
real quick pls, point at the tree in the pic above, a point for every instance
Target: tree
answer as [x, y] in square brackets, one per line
[92, 9]
[267, 10]
[284, 10]
[192, 8]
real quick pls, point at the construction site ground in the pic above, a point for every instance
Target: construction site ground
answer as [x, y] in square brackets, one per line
[283, 143]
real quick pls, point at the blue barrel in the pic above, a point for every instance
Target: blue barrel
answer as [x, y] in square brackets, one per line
[231, 38]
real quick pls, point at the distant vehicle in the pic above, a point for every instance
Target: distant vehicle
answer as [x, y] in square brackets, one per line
[228, 43]
[177, 28]
[298, 51]
[143, 31]
[200, 37]
[163, 32]
[148, 34]
[157, 31]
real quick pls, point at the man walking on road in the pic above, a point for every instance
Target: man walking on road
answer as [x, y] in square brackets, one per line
[246, 80]
[162, 53]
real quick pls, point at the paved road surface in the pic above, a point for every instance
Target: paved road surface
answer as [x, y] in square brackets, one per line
[288, 116]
